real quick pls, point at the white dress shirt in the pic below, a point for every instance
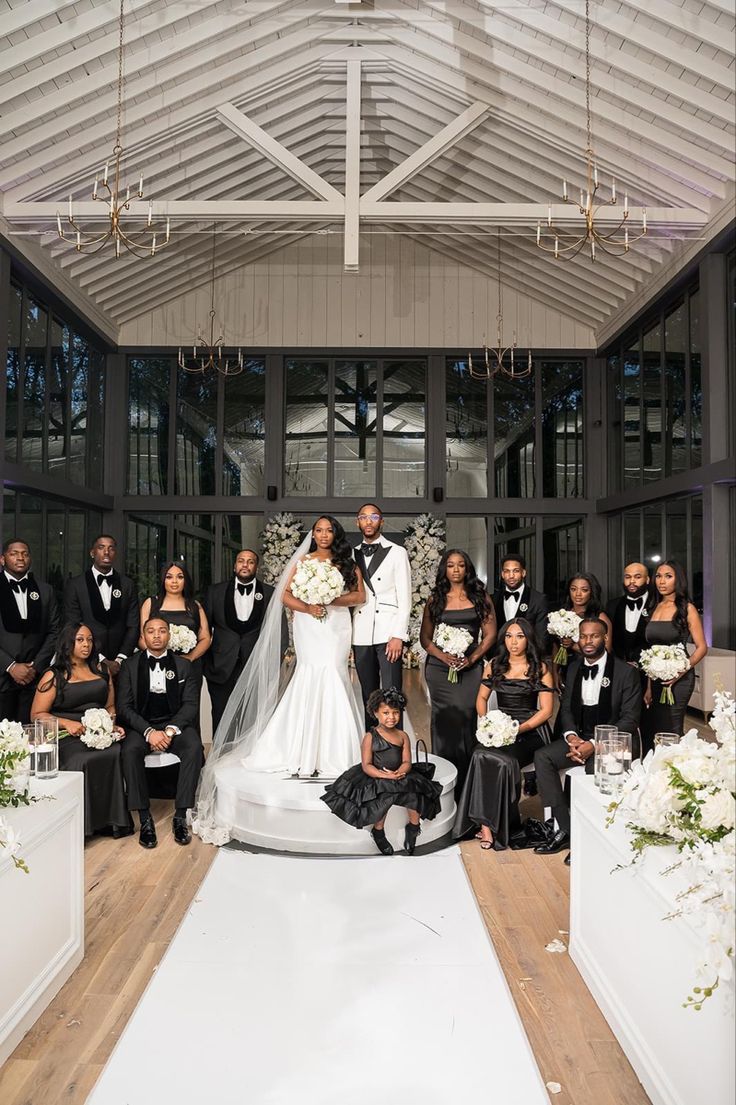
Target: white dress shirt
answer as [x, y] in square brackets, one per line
[244, 602]
[105, 588]
[631, 617]
[21, 597]
[157, 676]
[511, 606]
[590, 688]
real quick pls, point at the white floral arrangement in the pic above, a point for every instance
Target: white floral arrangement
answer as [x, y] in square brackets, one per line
[10, 840]
[99, 729]
[560, 624]
[280, 539]
[14, 764]
[455, 640]
[665, 662]
[496, 729]
[317, 582]
[424, 543]
[182, 638]
[685, 794]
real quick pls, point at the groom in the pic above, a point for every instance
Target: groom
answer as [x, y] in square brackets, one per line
[380, 625]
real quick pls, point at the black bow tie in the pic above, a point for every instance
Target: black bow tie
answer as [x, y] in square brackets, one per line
[368, 550]
[590, 671]
[156, 662]
[104, 579]
[511, 595]
[635, 604]
[245, 588]
[19, 585]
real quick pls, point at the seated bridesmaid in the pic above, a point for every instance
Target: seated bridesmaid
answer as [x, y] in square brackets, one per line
[73, 684]
[524, 689]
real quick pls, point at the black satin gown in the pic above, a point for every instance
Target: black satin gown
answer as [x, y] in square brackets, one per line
[104, 790]
[360, 800]
[661, 718]
[493, 787]
[181, 617]
[453, 720]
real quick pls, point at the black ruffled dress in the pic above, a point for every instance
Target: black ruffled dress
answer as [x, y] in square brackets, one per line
[360, 800]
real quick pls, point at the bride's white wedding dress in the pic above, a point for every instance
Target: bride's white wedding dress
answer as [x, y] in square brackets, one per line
[317, 725]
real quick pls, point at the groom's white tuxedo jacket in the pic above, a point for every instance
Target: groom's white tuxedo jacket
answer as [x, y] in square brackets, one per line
[386, 611]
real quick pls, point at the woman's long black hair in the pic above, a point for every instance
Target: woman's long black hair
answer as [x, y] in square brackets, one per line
[682, 594]
[595, 602]
[502, 659]
[474, 588]
[190, 603]
[61, 668]
[341, 552]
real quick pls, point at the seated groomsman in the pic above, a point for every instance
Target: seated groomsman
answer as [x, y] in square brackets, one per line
[107, 602]
[600, 690]
[629, 615]
[235, 611]
[29, 626]
[516, 599]
[158, 706]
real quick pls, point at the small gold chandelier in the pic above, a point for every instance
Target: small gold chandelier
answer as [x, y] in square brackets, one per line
[618, 240]
[495, 359]
[108, 187]
[207, 353]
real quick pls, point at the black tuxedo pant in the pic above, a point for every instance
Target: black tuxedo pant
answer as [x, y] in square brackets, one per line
[16, 701]
[548, 762]
[220, 694]
[187, 745]
[375, 670]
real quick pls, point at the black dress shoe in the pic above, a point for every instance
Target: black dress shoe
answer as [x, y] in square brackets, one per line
[182, 835]
[411, 832]
[381, 842]
[119, 831]
[566, 860]
[556, 844]
[147, 835]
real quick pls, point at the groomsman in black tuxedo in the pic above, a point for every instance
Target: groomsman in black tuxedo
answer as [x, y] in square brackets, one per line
[600, 690]
[29, 626]
[235, 611]
[629, 615]
[107, 602]
[516, 599]
[157, 702]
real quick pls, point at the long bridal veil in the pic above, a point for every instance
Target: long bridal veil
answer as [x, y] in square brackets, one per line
[249, 709]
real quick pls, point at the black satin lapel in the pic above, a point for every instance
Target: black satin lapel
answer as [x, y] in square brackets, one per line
[256, 614]
[231, 617]
[143, 681]
[95, 600]
[116, 600]
[35, 607]
[605, 698]
[576, 697]
[360, 561]
[173, 694]
[377, 559]
[9, 608]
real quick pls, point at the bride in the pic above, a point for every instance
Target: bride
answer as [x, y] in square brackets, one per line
[309, 724]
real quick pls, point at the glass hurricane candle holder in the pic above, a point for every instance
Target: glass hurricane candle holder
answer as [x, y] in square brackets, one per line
[47, 748]
[600, 733]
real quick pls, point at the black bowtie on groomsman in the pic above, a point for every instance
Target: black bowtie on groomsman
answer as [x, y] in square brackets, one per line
[107, 602]
[235, 610]
[29, 626]
[522, 602]
[629, 616]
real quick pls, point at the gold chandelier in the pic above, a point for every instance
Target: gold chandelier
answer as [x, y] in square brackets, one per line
[495, 360]
[207, 353]
[618, 239]
[108, 187]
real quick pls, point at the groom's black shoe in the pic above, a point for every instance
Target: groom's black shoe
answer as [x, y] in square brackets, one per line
[147, 836]
[182, 835]
[556, 844]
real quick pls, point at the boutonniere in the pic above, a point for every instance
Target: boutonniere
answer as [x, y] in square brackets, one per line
[524, 606]
[258, 596]
[170, 674]
[117, 593]
[645, 613]
[34, 596]
[605, 681]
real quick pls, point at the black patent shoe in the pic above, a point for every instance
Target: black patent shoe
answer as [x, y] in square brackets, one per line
[556, 843]
[380, 841]
[529, 785]
[566, 860]
[147, 835]
[119, 831]
[411, 832]
[182, 834]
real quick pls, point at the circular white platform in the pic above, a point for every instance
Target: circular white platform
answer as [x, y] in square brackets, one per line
[278, 812]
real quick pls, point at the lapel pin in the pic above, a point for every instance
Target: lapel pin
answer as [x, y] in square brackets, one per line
[34, 595]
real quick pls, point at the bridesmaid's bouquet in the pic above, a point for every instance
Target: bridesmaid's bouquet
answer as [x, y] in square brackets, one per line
[317, 582]
[496, 729]
[182, 638]
[99, 729]
[665, 663]
[455, 640]
[563, 623]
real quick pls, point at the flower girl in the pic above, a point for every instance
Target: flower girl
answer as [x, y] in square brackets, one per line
[385, 777]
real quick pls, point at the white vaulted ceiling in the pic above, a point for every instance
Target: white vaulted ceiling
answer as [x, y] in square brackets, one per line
[663, 119]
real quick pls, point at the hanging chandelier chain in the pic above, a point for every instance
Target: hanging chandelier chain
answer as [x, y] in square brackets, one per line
[500, 300]
[118, 145]
[212, 284]
[589, 125]
[207, 351]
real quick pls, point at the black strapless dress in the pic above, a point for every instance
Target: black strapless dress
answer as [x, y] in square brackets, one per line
[453, 719]
[493, 787]
[661, 718]
[181, 617]
[104, 791]
[360, 800]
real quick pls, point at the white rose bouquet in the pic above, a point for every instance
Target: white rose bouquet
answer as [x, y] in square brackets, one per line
[665, 663]
[182, 638]
[14, 764]
[455, 640]
[99, 729]
[496, 729]
[563, 623]
[317, 582]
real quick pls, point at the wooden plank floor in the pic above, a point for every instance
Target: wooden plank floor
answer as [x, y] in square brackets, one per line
[135, 901]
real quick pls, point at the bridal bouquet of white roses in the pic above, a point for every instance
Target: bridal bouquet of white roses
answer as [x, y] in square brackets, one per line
[496, 729]
[455, 640]
[14, 764]
[317, 582]
[182, 638]
[665, 662]
[563, 623]
[99, 728]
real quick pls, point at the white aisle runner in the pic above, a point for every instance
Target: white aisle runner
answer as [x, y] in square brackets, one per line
[301, 981]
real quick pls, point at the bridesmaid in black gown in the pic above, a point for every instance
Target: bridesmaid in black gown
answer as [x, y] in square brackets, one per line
[674, 620]
[458, 599]
[524, 688]
[73, 685]
[176, 604]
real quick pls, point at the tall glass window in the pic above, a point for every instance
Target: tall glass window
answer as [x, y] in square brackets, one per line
[34, 386]
[196, 434]
[58, 423]
[514, 535]
[675, 396]
[652, 394]
[194, 543]
[148, 441]
[145, 547]
[13, 363]
[513, 437]
[306, 460]
[354, 426]
[471, 534]
[466, 432]
[403, 429]
[696, 384]
[632, 416]
[244, 431]
[239, 531]
[562, 429]
[562, 544]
